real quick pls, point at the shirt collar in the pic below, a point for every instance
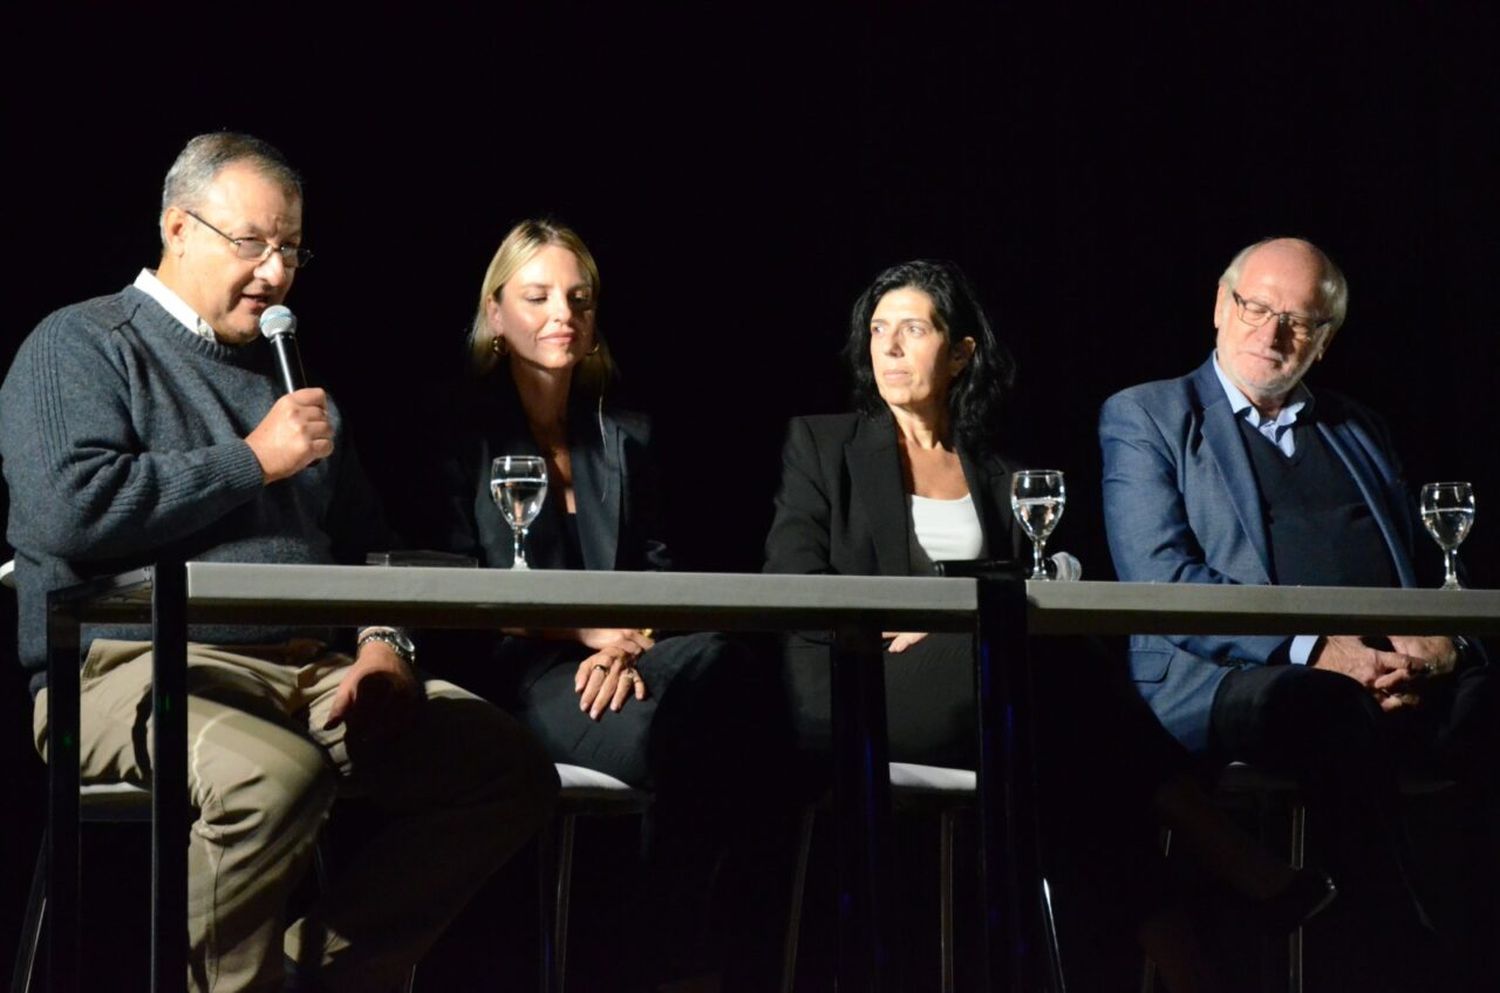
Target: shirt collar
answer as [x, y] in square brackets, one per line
[1298, 400]
[149, 284]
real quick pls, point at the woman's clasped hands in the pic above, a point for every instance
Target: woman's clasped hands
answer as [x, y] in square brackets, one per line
[607, 678]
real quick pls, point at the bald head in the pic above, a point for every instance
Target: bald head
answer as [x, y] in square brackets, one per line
[1332, 287]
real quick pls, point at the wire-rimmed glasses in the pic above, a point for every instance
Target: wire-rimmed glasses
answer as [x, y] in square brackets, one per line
[256, 250]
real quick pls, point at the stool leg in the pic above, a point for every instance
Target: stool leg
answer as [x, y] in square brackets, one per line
[794, 912]
[546, 899]
[1049, 922]
[31, 930]
[564, 890]
[1294, 940]
[945, 896]
[554, 870]
[1271, 968]
[320, 867]
[1148, 968]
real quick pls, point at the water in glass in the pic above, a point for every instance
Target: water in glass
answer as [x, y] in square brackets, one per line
[1037, 498]
[518, 484]
[1448, 513]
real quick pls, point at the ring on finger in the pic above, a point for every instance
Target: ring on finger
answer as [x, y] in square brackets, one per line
[600, 667]
[628, 676]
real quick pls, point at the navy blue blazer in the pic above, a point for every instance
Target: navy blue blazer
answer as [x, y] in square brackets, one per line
[1181, 505]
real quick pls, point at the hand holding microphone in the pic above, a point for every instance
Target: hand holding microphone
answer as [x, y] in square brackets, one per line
[296, 431]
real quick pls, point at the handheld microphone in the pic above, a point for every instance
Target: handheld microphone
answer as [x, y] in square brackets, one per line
[279, 326]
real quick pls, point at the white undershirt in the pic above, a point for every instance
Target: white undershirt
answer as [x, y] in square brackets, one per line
[943, 530]
[148, 283]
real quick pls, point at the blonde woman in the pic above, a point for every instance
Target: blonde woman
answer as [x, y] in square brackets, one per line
[667, 713]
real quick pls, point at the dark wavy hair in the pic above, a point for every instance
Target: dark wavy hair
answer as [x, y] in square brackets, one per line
[980, 389]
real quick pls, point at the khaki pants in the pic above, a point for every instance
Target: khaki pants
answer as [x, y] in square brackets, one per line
[465, 786]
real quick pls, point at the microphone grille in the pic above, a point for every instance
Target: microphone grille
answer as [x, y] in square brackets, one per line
[277, 320]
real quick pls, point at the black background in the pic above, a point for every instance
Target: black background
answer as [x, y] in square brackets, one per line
[740, 177]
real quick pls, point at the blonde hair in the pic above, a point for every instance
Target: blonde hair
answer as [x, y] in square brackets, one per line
[519, 247]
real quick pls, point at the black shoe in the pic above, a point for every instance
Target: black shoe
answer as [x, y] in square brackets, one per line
[1305, 897]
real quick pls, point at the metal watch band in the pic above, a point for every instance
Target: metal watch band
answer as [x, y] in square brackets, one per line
[400, 644]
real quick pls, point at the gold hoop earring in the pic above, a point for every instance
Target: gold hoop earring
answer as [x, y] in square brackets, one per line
[595, 349]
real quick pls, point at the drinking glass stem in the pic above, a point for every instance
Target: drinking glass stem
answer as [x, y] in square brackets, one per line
[518, 559]
[1038, 564]
[1450, 568]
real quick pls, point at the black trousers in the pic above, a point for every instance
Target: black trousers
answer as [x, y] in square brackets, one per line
[1329, 733]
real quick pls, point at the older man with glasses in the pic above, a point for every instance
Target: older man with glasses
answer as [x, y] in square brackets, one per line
[1238, 473]
[148, 420]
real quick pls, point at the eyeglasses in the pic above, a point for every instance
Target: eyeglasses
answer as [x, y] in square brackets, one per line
[1255, 313]
[254, 249]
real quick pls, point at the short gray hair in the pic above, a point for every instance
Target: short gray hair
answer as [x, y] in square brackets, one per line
[1332, 285]
[201, 159]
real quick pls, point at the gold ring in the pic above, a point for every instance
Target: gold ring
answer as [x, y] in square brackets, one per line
[600, 667]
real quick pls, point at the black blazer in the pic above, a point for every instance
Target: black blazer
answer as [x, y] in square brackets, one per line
[842, 507]
[615, 484]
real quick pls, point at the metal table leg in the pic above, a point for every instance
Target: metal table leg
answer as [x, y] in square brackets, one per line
[1016, 954]
[169, 792]
[63, 638]
[862, 807]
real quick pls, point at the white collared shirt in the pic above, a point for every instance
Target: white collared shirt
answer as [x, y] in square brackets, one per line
[173, 304]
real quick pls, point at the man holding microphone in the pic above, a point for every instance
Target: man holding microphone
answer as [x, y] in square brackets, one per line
[149, 421]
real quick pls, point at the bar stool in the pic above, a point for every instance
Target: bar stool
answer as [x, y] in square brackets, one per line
[98, 803]
[112, 803]
[948, 792]
[104, 803]
[585, 793]
[1242, 784]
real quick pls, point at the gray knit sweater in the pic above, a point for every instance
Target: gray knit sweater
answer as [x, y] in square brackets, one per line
[122, 435]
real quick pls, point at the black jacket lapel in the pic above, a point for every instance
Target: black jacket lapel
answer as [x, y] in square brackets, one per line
[989, 485]
[598, 482]
[877, 496]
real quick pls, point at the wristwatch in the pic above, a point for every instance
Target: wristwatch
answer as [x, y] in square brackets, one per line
[396, 638]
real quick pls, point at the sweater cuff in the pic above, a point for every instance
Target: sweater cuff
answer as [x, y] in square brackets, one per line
[240, 468]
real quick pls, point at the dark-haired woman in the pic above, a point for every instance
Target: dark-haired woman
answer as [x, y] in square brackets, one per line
[911, 478]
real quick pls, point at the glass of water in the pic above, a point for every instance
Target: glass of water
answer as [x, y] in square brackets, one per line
[1037, 498]
[1448, 513]
[519, 485]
